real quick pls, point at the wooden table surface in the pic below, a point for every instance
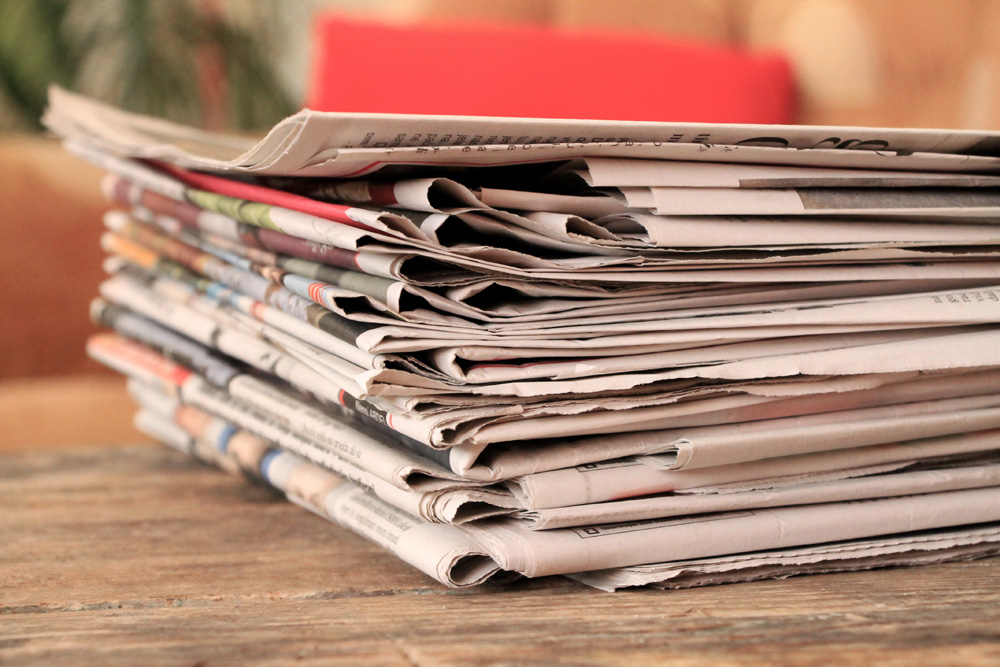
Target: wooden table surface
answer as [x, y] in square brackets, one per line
[136, 554]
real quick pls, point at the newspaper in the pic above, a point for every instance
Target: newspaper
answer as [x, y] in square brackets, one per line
[421, 266]
[345, 453]
[520, 245]
[926, 202]
[878, 486]
[393, 254]
[926, 547]
[440, 551]
[752, 338]
[941, 309]
[462, 505]
[311, 312]
[312, 143]
[710, 446]
[435, 505]
[655, 507]
[323, 384]
[261, 281]
[708, 231]
[299, 374]
[315, 303]
[448, 553]
[277, 414]
[398, 467]
[617, 172]
[540, 553]
[631, 476]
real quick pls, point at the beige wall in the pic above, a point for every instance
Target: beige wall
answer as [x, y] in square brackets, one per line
[866, 62]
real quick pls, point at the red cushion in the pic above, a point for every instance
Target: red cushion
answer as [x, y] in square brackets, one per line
[527, 71]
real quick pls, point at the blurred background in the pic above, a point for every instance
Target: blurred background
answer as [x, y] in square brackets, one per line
[929, 63]
[242, 65]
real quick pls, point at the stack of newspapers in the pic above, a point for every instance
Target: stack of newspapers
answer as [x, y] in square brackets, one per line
[633, 353]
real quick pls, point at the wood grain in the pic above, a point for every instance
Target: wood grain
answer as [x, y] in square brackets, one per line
[138, 555]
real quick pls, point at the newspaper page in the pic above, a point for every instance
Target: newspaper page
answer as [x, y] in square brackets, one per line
[311, 142]
[630, 477]
[436, 504]
[655, 507]
[922, 548]
[397, 467]
[440, 551]
[578, 370]
[694, 447]
[926, 202]
[619, 172]
[540, 553]
[450, 554]
[345, 234]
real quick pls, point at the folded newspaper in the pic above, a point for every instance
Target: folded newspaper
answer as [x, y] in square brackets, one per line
[632, 353]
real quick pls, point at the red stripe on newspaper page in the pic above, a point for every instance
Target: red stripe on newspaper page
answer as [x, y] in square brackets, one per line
[263, 195]
[139, 356]
[316, 292]
[383, 194]
[367, 169]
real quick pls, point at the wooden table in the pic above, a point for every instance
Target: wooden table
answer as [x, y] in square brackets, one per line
[136, 554]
